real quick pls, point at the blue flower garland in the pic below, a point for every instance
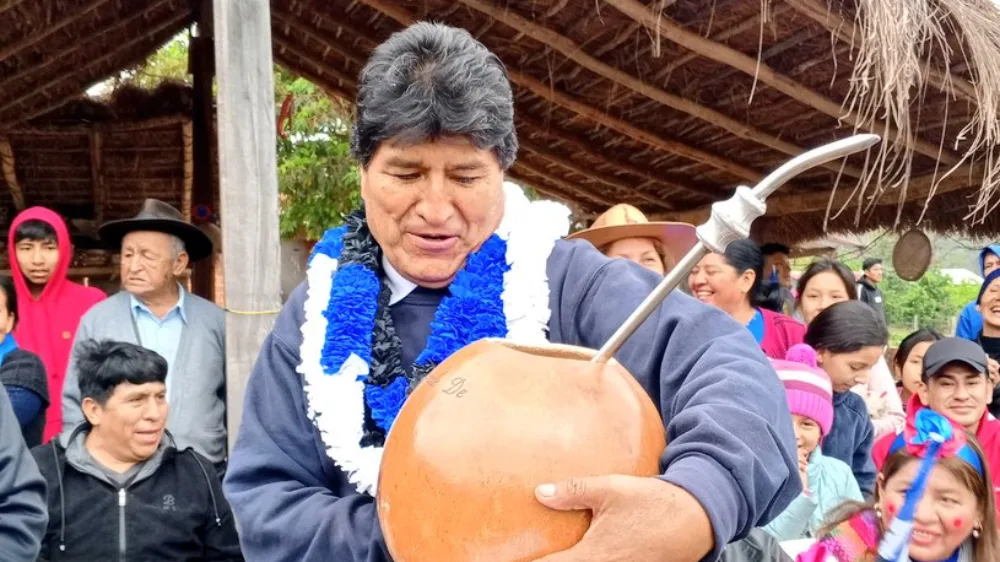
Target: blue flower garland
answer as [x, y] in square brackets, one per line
[473, 311]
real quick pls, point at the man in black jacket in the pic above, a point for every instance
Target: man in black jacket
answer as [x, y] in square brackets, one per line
[118, 488]
[868, 291]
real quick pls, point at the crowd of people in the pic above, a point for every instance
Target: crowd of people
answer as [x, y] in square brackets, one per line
[90, 382]
[784, 420]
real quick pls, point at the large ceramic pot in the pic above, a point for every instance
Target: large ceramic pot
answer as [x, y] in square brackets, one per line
[486, 427]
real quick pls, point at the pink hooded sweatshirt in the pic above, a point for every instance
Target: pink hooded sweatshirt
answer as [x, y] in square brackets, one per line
[47, 326]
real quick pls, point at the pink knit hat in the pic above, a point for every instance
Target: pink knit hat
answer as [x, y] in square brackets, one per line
[807, 387]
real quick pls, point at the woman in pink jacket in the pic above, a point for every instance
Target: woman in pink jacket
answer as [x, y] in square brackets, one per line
[733, 282]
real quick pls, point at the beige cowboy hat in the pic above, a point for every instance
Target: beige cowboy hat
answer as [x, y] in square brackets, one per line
[625, 221]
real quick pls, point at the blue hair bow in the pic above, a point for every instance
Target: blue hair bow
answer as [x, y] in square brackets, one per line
[928, 435]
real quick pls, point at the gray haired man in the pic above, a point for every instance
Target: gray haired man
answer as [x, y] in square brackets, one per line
[155, 311]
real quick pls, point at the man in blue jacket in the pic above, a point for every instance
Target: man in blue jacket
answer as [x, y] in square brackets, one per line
[970, 321]
[443, 254]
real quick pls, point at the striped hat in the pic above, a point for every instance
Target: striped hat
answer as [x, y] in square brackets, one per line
[807, 387]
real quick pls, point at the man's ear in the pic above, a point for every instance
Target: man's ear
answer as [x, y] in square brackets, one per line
[91, 411]
[924, 393]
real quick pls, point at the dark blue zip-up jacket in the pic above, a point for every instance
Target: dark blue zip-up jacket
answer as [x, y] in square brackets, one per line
[725, 415]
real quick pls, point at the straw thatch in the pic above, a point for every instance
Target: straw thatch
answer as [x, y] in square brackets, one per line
[669, 105]
[93, 161]
[665, 104]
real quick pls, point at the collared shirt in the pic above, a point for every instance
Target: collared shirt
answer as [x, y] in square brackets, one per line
[399, 286]
[162, 335]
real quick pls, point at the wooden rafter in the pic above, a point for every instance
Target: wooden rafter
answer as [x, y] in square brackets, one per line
[331, 90]
[152, 36]
[50, 29]
[538, 88]
[10, 5]
[768, 54]
[314, 35]
[593, 175]
[591, 113]
[582, 147]
[549, 160]
[671, 31]
[110, 127]
[79, 43]
[324, 68]
[848, 33]
[563, 190]
[573, 51]
[784, 204]
[10, 173]
[97, 175]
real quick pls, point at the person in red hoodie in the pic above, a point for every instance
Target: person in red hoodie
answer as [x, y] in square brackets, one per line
[956, 384]
[50, 306]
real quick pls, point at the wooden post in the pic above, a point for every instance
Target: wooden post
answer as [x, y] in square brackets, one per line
[248, 176]
[204, 189]
[97, 175]
[10, 173]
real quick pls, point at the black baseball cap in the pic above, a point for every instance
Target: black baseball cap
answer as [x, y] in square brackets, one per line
[954, 350]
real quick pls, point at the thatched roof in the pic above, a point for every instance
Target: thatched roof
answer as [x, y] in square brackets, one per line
[664, 104]
[98, 161]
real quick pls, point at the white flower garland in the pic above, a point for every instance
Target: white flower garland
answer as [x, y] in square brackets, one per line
[335, 400]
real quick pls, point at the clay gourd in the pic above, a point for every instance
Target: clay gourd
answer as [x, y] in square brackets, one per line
[492, 422]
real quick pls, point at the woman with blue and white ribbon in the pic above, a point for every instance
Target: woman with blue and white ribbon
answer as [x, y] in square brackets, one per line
[934, 503]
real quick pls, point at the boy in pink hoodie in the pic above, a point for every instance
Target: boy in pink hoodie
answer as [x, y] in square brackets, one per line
[49, 305]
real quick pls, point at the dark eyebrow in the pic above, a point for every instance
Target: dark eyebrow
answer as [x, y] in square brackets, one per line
[400, 162]
[468, 167]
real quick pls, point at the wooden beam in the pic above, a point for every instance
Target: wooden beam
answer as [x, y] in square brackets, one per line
[574, 52]
[671, 31]
[204, 190]
[49, 29]
[97, 175]
[566, 192]
[617, 165]
[152, 36]
[787, 204]
[187, 134]
[10, 5]
[109, 127]
[538, 88]
[589, 174]
[558, 98]
[849, 33]
[10, 173]
[279, 17]
[78, 43]
[249, 183]
[320, 66]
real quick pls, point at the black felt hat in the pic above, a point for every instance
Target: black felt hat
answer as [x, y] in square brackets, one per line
[157, 216]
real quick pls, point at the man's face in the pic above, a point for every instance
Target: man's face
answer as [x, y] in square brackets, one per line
[958, 392]
[130, 424]
[989, 305]
[779, 263]
[874, 273]
[990, 263]
[37, 259]
[430, 205]
[149, 265]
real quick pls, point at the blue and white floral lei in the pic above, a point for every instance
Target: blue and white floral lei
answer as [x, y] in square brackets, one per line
[501, 292]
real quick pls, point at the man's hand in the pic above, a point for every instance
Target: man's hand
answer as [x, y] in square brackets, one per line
[634, 519]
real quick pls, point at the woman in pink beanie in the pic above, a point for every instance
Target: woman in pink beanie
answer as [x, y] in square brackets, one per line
[826, 481]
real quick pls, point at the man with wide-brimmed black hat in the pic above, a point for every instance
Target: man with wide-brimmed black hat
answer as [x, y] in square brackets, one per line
[155, 311]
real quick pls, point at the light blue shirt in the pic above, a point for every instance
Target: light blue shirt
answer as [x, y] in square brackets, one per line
[162, 335]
